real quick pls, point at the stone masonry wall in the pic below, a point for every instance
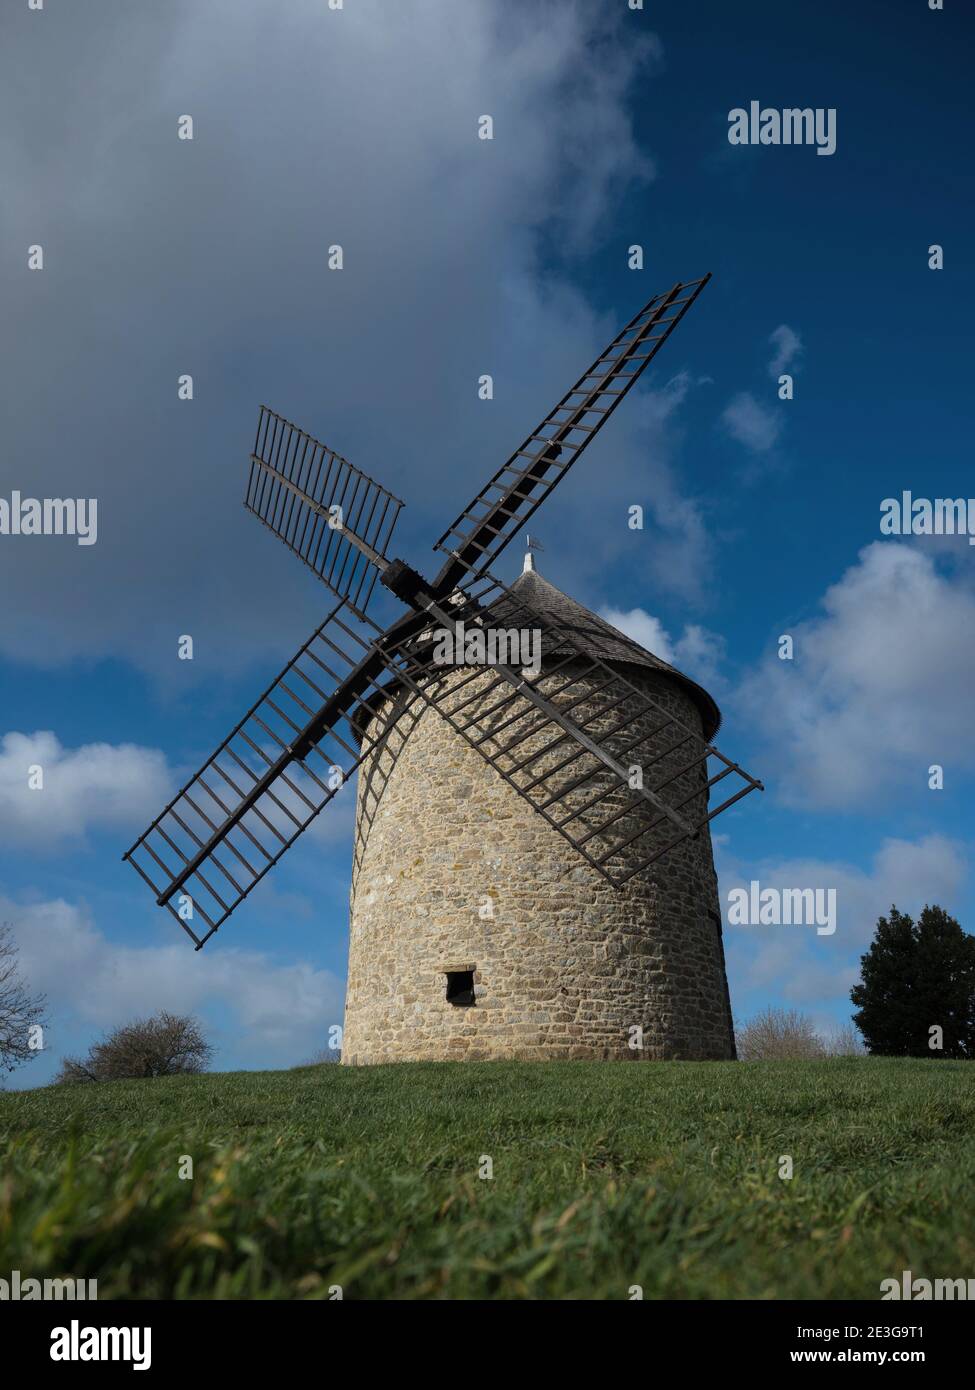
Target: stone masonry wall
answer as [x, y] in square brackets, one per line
[566, 965]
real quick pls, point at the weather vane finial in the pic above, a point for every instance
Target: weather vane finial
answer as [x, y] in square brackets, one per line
[531, 543]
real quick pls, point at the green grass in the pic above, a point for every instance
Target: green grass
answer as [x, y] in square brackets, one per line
[605, 1175]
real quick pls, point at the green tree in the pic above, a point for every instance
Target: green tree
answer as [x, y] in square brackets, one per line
[917, 976]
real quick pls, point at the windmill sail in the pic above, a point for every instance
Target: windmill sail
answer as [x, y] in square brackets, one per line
[316, 502]
[516, 491]
[606, 765]
[280, 766]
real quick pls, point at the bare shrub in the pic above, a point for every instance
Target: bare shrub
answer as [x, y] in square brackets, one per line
[165, 1045]
[21, 1013]
[845, 1042]
[777, 1035]
[324, 1057]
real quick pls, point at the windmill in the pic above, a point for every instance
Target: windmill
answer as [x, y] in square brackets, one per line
[570, 737]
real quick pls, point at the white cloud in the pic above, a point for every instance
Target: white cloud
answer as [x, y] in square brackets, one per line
[787, 345]
[750, 423]
[279, 1013]
[796, 966]
[666, 400]
[643, 627]
[880, 687]
[96, 786]
[680, 559]
[697, 652]
[632, 462]
[700, 653]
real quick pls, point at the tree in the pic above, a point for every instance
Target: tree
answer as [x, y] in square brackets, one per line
[166, 1045]
[21, 1013]
[779, 1035]
[916, 977]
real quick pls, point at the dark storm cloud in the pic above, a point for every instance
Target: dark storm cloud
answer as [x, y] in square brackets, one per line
[208, 257]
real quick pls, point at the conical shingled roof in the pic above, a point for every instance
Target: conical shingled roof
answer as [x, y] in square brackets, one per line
[599, 638]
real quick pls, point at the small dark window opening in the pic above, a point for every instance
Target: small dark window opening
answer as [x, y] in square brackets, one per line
[460, 987]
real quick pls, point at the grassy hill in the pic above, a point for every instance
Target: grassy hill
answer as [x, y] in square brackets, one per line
[605, 1176]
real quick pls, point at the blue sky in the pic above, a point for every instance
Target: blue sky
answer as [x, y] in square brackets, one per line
[462, 256]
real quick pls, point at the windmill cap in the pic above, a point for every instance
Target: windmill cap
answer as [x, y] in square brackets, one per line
[593, 636]
[598, 638]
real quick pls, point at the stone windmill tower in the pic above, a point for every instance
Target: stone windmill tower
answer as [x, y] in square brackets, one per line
[533, 872]
[476, 929]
